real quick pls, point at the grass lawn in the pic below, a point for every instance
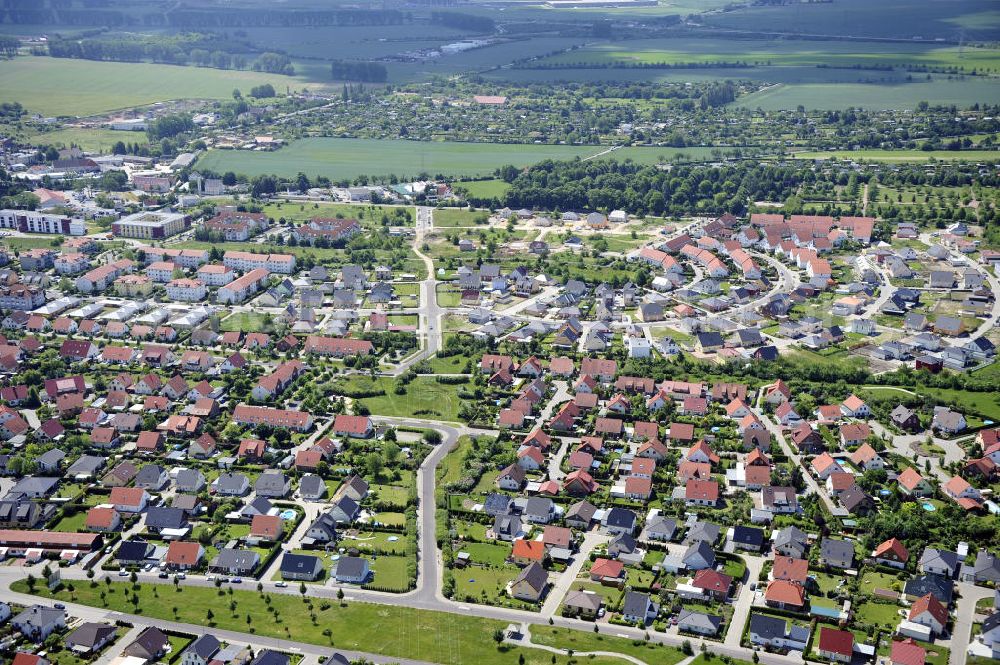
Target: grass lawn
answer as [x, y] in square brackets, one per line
[473, 532]
[96, 140]
[41, 241]
[487, 554]
[938, 655]
[882, 615]
[450, 217]
[825, 581]
[244, 322]
[72, 523]
[985, 404]
[448, 295]
[440, 637]
[485, 585]
[390, 572]
[61, 86]
[424, 397]
[391, 494]
[564, 638]
[876, 580]
[611, 594]
[484, 188]
[340, 159]
[448, 365]
[378, 540]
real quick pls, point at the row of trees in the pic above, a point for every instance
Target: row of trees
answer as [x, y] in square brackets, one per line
[367, 72]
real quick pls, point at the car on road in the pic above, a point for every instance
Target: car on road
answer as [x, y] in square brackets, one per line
[59, 606]
[180, 576]
[122, 572]
[281, 585]
[237, 580]
[163, 575]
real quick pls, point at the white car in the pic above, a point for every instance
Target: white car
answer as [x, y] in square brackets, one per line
[281, 585]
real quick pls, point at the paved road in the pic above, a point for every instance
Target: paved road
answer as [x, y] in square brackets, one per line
[744, 602]
[429, 313]
[566, 578]
[965, 613]
[779, 436]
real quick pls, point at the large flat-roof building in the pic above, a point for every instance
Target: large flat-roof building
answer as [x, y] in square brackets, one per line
[29, 221]
[151, 225]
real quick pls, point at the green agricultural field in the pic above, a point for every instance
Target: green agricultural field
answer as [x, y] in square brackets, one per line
[345, 159]
[57, 87]
[875, 95]
[439, 637]
[789, 52]
[904, 19]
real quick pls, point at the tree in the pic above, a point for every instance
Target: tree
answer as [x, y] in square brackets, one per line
[498, 636]
[302, 589]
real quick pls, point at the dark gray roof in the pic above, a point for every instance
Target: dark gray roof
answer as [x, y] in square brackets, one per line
[269, 657]
[163, 517]
[582, 510]
[835, 550]
[350, 566]
[937, 557]
[189, 480]
[704, 621]
[149, 476]
[34, 485]
[311, 485]
[300, 563]
[769, 627]
[271, 482]
[748, 535]
[496, 504]
[620, 518]
[702, 531]
[150, 642]
[134, 550]
[591, 600]
[205, 646]
[635, 603]
[90, 634]
[701, 549]
[244, 560]
[87, 464]
[936, 585]
[534, 575]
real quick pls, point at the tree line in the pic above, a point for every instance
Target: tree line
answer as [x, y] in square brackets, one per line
[366, 72]
[462, 21]
[201, 50]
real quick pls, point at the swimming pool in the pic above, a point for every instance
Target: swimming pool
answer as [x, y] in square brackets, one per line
[288, 514]
[819, 610]
[929, 507]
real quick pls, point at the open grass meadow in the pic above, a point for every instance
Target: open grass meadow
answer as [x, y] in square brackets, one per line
[345, 159]
[789, 52]
[903, 19]
[423, 397]
[876, 94]
[438, 637]
[64, 87]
